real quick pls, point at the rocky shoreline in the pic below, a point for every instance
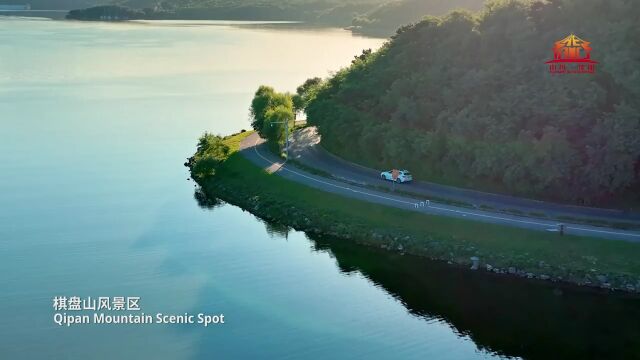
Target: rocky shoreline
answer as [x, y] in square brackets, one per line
[462, 254]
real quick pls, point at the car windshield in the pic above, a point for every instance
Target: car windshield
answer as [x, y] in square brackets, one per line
[406, 173]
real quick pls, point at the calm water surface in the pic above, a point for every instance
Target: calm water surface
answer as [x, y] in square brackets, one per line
[95, 123]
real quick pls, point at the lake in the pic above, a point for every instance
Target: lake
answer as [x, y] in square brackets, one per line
[96, 121]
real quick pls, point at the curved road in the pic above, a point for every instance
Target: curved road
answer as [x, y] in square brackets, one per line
[305, 149]
[252, 147]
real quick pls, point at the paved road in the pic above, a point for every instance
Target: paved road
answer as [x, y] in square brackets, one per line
[253, 148]
[305, 149]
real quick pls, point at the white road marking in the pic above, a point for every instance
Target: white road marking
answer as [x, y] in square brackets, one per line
[328, 183]
[463, 213]
[490, 216]
[604, 231]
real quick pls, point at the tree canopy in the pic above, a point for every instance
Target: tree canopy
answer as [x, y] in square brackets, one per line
[467, 99]
[269, 112]
[384, 19]
[305, 93]
[111, 12]
[210, 153]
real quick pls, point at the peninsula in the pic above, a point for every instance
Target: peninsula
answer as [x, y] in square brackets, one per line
[509, 179]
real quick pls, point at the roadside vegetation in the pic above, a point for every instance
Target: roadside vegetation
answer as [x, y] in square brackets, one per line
[274, 113]
[211, 152]
[440, 200]
[466, 100]
[525, 253]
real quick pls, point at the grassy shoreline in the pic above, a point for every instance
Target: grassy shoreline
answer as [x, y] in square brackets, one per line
[520, 252]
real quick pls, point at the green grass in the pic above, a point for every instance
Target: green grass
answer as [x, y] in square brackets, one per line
[233, 141]
[440, 200]
[438, 237]
[628, 200]
[309, 169]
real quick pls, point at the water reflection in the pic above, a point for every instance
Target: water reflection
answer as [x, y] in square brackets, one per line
[511, 317]
[134, 99]
[274, 230]
[205, 202]
[277, 230]
[504, 316]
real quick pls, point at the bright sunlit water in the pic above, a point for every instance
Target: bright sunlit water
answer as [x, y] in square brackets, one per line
[96, 120]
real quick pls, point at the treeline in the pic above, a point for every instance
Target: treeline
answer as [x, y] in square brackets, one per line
[372, 17]
[332, 12]
[274, 113]
[210, 154]
[107, 12]
[271, 113]
[385, 19]
[466, 99]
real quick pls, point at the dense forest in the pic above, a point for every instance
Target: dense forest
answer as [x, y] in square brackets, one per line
[386, 18]
[466, 99]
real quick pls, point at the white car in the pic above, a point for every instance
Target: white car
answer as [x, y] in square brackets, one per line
[403, 176]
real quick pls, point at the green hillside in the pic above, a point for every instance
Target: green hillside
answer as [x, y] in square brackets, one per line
[373, 17]
[332, 12]
[466, 99]
[386, 18]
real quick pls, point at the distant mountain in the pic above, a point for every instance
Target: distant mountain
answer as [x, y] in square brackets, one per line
[187, 4]
[376, 17]
[386, 18]
[54, 4]
[334, 12]
[373, 17]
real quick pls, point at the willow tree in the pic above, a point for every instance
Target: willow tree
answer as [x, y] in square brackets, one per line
[272, 112]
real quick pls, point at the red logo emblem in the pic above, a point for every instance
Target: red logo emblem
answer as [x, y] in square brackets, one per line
[572, 55]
